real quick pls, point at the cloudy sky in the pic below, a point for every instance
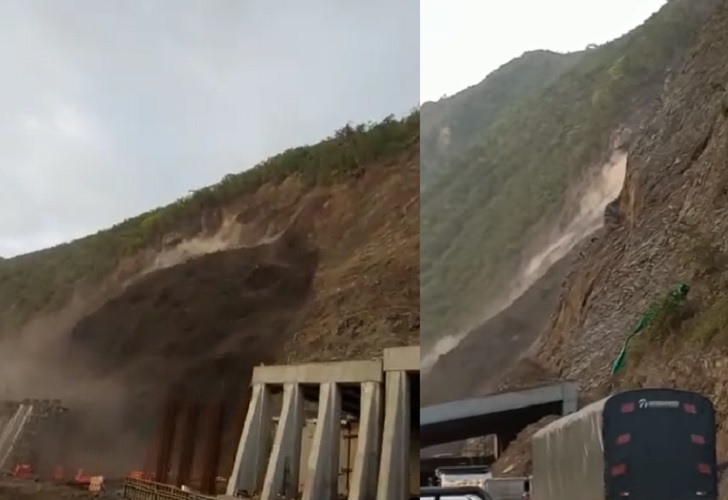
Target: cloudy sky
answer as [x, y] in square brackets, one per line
[112, 108]
[464, 40]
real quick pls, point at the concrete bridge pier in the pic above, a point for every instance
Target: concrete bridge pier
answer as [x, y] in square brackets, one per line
[281, 477]
[252, 456]
[340, 389]
[322, 474]
[401, 368]
[366, 460]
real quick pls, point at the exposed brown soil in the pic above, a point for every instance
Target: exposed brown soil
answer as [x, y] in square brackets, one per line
[303, 275]
[198, 324]
[516, 459]
[196, 331]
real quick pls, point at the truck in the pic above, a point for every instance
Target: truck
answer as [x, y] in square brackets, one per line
[463, 475]
[478, 476]
[645, 444]
[453, 493]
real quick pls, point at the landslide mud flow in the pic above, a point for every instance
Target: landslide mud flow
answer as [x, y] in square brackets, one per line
[224, 310]
[196, 330]
[476, 365]
[289, 273]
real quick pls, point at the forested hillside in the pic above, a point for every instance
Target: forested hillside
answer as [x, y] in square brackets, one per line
[453, 124]
[505, 182]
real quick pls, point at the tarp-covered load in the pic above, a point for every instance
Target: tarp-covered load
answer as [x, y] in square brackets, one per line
[568, 459]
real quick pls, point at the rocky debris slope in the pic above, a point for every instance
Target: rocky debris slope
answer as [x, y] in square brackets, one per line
[339, 282]
[474, 367]
[516, 459]
[673, 227]
[667, 227]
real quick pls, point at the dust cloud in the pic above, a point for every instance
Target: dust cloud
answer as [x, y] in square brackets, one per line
[38, 362]
[107, 434]
[225, 238]
[583, 215]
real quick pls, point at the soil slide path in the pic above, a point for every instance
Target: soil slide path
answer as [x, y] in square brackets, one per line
[288, 274]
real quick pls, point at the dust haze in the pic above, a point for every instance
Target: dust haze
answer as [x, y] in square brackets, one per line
[582, 216]
[38, 362]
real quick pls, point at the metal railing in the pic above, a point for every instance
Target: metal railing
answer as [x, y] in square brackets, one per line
[140, 489]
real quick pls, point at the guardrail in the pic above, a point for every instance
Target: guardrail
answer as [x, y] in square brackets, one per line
[140, 489]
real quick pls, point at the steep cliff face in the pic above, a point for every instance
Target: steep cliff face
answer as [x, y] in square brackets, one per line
[671, 227]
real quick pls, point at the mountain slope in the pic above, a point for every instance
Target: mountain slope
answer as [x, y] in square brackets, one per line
[453, 124]
[483, 212]
[673, 230]
[670, 228]
[45, 280]
[313, 255]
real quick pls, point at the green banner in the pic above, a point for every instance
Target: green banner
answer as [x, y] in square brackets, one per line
[676, 295]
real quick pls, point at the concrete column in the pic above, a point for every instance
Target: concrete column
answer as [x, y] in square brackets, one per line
[322, 474]
[394, 466]
[570, 398]
[282, 473]
[254, 447]
[366, 462]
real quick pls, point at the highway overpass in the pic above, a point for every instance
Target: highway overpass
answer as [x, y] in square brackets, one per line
[504, 415]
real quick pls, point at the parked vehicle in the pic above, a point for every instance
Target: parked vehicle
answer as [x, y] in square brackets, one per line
[453, 493]
[480, 477]
[463, 475]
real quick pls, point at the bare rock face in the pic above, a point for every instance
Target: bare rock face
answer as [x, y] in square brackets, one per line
[613, 215]
[669, 225]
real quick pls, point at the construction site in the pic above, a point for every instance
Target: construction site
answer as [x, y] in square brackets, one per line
[319, 430]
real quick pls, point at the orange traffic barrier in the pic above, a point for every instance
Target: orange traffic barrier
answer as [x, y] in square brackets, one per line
[23, 471]
[81, 478]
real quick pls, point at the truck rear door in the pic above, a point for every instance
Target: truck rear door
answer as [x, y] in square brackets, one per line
[659, 444]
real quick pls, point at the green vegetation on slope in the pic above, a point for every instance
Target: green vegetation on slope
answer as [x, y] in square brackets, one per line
[702, 321]
[45, 279]
[467, 113]
[482, 211]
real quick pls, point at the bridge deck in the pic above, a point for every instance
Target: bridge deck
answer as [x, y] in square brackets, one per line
[499, 413]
